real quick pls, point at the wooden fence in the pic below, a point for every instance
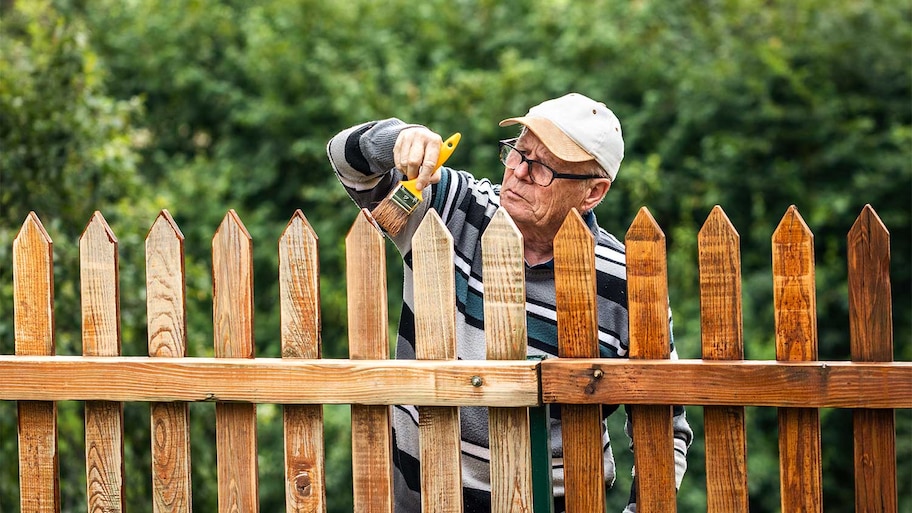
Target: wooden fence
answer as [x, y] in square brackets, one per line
[723, 382]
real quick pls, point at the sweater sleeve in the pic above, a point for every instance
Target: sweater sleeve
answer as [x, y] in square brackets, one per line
[362, 157]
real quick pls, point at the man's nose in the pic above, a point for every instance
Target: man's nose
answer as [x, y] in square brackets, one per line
[523, 170]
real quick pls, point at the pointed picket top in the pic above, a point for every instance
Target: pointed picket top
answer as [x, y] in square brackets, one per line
[231, 226]
[718, 228]
[719, 254]
[32, 231]
[433, 237]
[299, 289]
[575, 290]
[98, 262]
[505, 288]
[166, 296]
[368, 318]
[792, 229]
[98, 232]
[33, 289]
[364, 230]
[164, 228]
[644, 228]
[647, 287]
[232, 288]
[794, 291]
[435, 289]
[870, 291]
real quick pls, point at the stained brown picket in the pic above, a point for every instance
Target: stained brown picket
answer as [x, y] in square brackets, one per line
[723, 339]
[800, 472]
[871, 338]
[647, 296]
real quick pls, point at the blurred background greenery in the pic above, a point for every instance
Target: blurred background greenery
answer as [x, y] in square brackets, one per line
[200, 106]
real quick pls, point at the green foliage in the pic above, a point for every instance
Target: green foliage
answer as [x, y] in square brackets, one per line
[200, 106]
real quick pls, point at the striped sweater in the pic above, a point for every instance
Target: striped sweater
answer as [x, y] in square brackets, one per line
[362, 157]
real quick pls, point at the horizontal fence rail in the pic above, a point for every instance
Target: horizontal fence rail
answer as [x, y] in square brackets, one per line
[457, 383]
[515, 389]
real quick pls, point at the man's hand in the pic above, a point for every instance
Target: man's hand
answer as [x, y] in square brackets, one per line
[415, 154]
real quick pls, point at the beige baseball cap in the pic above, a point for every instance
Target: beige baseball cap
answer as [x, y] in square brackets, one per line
[576, 128]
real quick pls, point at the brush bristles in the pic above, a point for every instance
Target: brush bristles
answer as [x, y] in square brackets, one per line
[392, 213]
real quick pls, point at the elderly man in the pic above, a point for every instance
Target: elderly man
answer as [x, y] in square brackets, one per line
[567, 155]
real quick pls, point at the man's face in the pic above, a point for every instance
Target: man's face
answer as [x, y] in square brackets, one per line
[536, 209]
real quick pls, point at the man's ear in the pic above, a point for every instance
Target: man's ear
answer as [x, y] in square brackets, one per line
[597, 190]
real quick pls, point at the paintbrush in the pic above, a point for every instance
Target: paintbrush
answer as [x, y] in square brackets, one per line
[392, 213]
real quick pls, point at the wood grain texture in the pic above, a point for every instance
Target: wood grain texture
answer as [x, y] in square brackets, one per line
[299, 293]
[871, 336]
[166, 305]
[719, 256]
[299, 289]
[647, 292]
[794, 296]
[372, 457]
[33, 289]
[435, 339]
[577, 337]
[98, 263]
[719, 383]
[505, 337]
[166, 297]
[269, 380]
[33, 304]
[232, 305]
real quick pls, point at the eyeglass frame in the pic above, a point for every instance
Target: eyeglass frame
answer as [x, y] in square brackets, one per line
[509, 144]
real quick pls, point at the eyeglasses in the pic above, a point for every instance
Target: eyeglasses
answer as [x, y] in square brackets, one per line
[540, 173]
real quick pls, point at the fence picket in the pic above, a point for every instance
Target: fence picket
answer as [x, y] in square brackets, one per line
[232, 308]
[871, 332]
[166, 306]
[372, 459]
[435, 339]
[101, 337]
[723, 339]
[33, 303]
[299, 292]
[505, 339]
[647, 296]
[796, 340]
[577, 337]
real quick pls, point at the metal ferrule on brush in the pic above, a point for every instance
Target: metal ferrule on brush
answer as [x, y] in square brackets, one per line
[405, 199]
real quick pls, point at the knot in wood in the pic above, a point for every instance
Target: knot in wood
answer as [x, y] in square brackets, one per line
[302, 483]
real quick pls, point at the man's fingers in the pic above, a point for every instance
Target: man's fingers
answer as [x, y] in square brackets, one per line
[415, 153]
[426, 175]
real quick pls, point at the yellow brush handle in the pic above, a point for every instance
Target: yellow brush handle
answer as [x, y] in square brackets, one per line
[446, 149]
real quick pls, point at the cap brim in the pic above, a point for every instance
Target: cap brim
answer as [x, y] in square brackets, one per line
[557, 142]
